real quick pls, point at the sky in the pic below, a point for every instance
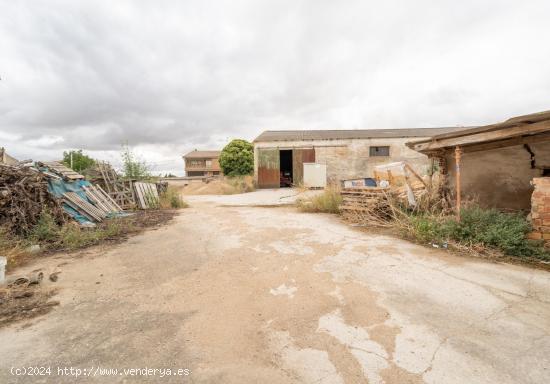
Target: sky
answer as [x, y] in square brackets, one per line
[168, 77]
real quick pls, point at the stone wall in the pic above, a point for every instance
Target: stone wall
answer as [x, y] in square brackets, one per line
[540, 209]
[347, 159]
[499, 178]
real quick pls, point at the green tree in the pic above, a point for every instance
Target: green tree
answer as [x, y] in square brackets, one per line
[133, 168]
[237, 158]
[79, 162]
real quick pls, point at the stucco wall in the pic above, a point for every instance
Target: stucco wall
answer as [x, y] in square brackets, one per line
[347, 159]
[499, 178]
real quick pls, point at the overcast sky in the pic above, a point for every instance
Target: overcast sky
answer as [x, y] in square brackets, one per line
[171, 76]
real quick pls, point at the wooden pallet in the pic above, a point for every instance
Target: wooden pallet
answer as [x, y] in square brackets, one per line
[62, 170]
[121, 191]
[147, 195]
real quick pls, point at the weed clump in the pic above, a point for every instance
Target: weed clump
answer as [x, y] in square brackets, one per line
[479, 228]
[328, 201]
[172, 199]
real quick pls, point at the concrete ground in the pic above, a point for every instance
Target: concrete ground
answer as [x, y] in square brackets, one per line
[242, 294]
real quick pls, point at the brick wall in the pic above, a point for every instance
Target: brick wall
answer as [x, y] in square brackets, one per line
[540, 209]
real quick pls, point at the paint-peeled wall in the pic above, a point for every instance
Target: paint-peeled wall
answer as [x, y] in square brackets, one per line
[499, 178]
[347, 159]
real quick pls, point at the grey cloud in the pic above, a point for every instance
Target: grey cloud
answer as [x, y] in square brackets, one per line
[172, 75]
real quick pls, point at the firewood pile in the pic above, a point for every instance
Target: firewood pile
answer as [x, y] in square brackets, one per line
[23, 196]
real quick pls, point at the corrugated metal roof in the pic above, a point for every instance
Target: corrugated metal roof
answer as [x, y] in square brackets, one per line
[202, 154]
[335, 134]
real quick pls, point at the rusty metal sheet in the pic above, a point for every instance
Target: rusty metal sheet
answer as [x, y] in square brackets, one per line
[299, 157]
[268, 168]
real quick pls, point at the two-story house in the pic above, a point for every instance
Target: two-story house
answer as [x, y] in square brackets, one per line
[202, 163]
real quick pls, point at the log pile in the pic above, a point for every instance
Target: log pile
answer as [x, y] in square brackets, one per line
[23, 196]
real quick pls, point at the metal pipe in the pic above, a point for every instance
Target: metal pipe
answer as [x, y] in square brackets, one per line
[458, 155]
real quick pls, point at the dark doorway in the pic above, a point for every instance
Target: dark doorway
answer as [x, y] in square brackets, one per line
[285, 162]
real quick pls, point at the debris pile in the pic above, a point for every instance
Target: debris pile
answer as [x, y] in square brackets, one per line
[127, 193]
[24, 298]
[23, 196]
[396, 184]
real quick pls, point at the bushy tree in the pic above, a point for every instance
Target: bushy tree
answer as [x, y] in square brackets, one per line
[237, 158]
[132, 167]
[80, 161]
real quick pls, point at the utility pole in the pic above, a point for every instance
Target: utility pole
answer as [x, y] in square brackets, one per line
[72, 160]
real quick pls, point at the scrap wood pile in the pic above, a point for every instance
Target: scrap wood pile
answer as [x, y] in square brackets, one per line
[370, 204]
[380, 205]
[26, 191]
[23, 196]
[127, 193]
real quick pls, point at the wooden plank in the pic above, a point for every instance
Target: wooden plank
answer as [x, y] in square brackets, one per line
[139, 194]
[147, 195]
[484, 137]
[107, 196]
[104, 200]
[64, 171]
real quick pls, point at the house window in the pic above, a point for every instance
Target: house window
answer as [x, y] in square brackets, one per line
[379, 151]
[208, 163]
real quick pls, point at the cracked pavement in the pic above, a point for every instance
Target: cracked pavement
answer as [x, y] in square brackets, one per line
[243, 294]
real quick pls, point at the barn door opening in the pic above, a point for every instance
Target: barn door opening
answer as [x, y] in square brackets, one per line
[268, 168]
[299, 157]
[286, 168]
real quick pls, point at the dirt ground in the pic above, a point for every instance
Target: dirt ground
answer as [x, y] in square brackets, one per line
[247, 294]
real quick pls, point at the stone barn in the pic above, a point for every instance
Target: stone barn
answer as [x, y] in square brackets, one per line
[347, 154]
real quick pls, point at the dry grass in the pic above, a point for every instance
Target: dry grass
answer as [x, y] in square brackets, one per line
[329, 201]
[172, 199]
[238, 184]
[222, 186]
[70, 237]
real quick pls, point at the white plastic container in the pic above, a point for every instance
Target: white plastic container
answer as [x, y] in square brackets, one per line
[3, 262]
[315, 175]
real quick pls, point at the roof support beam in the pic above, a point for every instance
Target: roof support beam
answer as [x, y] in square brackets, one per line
[484, 137]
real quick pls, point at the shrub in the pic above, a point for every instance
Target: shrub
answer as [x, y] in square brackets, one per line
[172, 199]
[46, 230]
[481, 227]
[237, 158]
[329, 201]
[133, 167]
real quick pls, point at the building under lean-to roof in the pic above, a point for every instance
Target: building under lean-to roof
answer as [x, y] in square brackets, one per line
[496, 163]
